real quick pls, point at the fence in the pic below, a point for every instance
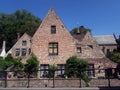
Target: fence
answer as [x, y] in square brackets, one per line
[99, 78]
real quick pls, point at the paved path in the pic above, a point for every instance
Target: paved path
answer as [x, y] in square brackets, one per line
[117, 88]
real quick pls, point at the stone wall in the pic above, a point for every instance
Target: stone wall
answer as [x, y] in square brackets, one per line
[59, 83]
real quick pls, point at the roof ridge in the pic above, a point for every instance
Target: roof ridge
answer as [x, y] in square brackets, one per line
[102, 35]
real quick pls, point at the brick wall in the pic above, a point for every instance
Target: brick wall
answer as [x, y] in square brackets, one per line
[43, 36]
[59, 83]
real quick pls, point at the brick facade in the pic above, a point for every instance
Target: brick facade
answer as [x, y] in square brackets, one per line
[43, 36]
[62, 44]
[22, 46]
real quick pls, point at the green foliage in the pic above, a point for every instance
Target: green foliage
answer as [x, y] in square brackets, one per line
[32, 65]
[76, 68]
[74, 31]
[10, 61]
[71, 69]
[53, 68]
[85, 77]
[2, 64]
[18, 66]
[114, 56]
[19, 22]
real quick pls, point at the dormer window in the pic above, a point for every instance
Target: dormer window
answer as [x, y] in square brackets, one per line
[53, 29]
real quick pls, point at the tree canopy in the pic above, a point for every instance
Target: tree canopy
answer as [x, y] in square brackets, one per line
[76, 68]
[20, 22]
[79, 29]
[32, 65]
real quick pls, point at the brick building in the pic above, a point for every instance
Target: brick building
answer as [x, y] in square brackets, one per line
[52, 43]
[107, 43]
[22, 48]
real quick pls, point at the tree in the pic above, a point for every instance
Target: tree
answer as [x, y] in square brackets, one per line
[114, 56]
[19, 22]
[18, 66]
[53, 68]
[80, 29]
[76, 68]
[9, 61]
[32, 65]
[2, 64]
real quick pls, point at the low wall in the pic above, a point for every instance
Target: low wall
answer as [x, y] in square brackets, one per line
[61, 82]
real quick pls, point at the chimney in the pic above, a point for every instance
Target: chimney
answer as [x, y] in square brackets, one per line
[78, 31]
[18, 36]
[81, 29]
[3, 53]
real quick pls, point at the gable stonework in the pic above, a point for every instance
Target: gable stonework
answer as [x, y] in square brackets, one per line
[89, 47]
[19, 45]
[43, 36]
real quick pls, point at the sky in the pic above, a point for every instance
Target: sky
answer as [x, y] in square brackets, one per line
[101, 16]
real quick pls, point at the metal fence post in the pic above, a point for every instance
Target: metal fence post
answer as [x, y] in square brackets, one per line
[5, 79]
[80, 82]
[28, 80]
[53, 79]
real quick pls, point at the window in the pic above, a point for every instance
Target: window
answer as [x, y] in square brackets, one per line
[103, 49]
[90, 46]
[23, 51]
[79, 50]
[24, 43]
[61, 69]
[108, 51]
[53, 29]
[17, 52]
[53, 48]
[90, 70]
[44, 70]
[29, 51]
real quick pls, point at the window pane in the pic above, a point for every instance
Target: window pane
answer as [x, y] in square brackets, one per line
[29, 51]
[23, 51]
[53, 29]
[50, 50]
[17, 52]
[44, 72]
[79, 50]
[24, 43]
[53, 48]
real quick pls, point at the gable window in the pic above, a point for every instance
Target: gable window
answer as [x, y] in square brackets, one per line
[24, 43]
[17, 52]
[53, 29]
[23, 51]
[53, 48]
[79, 50]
